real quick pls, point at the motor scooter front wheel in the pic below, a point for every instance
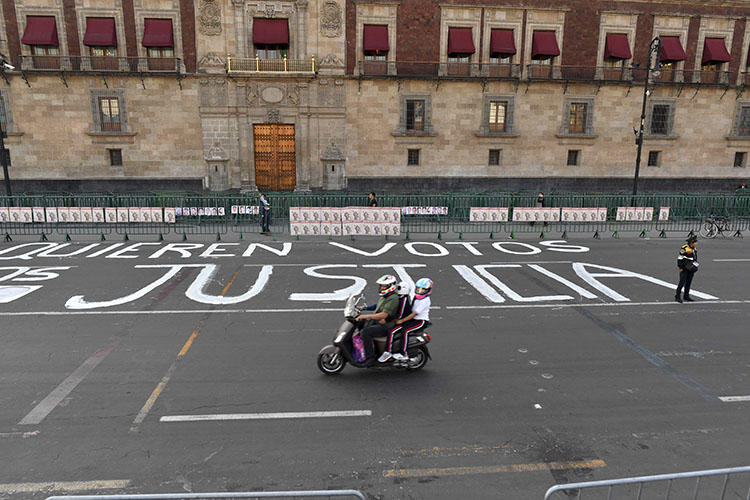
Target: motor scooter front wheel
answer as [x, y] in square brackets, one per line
[419, 359]
[331, 363]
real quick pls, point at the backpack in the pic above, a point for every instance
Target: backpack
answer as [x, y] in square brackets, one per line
[359, 348]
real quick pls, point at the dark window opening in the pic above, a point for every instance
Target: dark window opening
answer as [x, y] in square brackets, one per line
[115, 157]
[573, 157]
[494, 157]
[413, 158]
[660, 119]
[498, 111]
[739, 159]
[744, 125]
[415, 115]
[577, 121]
[653, 158]
[109, 113]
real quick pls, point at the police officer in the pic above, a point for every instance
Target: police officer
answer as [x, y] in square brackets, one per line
[687, 262]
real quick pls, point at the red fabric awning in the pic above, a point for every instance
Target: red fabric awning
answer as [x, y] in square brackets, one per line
[271, 31]
[157, 33]
[375, 37]
[715, 50]
[616, 46]
[100, 32]
[502, 43]
[671, 49]
[40, 30]
[544, 45]
[460, 41]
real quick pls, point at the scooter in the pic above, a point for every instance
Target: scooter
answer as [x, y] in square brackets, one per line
[333, 358]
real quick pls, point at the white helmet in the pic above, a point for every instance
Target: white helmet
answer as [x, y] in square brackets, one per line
[387, 284]
[403, 288]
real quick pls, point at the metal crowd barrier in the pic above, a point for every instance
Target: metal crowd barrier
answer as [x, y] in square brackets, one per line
[671, 485]
[216, 496]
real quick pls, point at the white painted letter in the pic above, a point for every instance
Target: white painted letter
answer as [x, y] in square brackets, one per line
[9, 293]
[17, 271]
[590, 278]
[195, 291]
[467, 245]
[478, 283]
[217, 247]
[281, 253]
[508, 291]
[500, 245]
[555, 246]
[579, 290]
[442, 251]
[340, 294]
[42, 274]
[120, 254]
[181, 248]
[400, 271]
[382, 250]
[49, 252]
[28, 254]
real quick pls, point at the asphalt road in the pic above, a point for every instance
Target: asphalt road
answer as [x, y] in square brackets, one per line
[540, 375]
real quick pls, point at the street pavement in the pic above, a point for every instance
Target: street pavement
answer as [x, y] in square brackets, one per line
[552, 361]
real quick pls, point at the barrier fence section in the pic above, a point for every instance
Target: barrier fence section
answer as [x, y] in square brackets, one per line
[713, 483]
[220, 213]
[215, 496]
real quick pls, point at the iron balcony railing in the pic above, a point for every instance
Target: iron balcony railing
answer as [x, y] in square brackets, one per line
[85, 64]
[426, 69]
[255, 65]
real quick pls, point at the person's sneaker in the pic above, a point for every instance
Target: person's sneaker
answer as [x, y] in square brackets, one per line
[678, 298]
[385, 357]
[400, 357]
[688, 299]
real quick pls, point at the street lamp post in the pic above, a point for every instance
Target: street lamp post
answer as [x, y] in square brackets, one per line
[653, 48]
[3, 156]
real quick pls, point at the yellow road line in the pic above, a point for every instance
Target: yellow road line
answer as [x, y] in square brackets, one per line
[64, 486]
[493, 469]
[165, 379]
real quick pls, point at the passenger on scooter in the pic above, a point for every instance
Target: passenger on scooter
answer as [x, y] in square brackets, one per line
[417, 320]
[386, 310]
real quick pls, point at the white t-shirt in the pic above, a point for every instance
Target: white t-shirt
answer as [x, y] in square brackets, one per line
[422, 308]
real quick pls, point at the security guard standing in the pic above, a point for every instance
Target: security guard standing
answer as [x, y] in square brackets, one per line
[687, 262]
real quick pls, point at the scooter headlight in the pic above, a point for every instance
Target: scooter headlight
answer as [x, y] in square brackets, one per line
[340, 337]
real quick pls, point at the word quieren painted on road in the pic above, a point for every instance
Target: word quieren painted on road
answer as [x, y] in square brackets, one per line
[28, 251]
[480, 277]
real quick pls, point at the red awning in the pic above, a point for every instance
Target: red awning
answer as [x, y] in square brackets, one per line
[460, 41]
[271, 31]
[502, 43]
[375, 37]
[157, 33]
[671, 49]
[714, 50]
[544, 45]
[100, 32]
[40, 30]
[617, 47]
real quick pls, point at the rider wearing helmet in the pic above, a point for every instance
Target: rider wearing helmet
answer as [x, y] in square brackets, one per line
[386, 311]
[417, 320]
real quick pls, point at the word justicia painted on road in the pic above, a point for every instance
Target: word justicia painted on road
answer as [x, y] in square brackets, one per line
[484, 279]
[29, 251]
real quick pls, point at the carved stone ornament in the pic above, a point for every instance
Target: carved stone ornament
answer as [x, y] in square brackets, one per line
[332, 153]
[331, 60]
[251, 96]
[270, 10]
[213, 92]
[330, 19]
[293, 92]
[273, 116]
[216, 153]
[212, 60]
[209, 18]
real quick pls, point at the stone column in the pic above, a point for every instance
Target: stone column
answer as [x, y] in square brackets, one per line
[301, 52]
[303, 159]
[240, 30]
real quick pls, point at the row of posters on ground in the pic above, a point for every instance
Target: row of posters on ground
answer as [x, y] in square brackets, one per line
[596, 214]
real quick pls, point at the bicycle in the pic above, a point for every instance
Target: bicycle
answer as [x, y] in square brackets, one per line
[712, 227]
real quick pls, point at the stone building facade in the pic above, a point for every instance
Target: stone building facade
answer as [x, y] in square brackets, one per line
[373, 94]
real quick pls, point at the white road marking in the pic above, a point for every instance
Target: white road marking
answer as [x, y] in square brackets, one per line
[734, 399]
[64, 486]
[339, 309]
[731, 260]
[266, 416]
[54, 398]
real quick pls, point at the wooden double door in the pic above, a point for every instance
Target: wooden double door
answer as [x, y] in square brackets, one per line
[275, 157]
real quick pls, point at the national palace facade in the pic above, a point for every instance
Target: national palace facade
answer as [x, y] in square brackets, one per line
[363, 94]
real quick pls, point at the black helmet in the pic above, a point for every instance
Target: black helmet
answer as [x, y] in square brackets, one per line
[692, 239]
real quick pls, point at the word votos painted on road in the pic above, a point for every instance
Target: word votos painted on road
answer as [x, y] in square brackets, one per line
[483, 278]
[29, 251]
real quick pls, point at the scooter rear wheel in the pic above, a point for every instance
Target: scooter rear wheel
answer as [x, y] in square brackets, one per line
[331, 363]
[419, 359]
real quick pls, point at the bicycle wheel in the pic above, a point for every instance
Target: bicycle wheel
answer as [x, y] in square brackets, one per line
[708, 230]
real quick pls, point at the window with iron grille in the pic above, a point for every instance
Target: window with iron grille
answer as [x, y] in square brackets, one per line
[660, 119]
[577, 119]
[495, 157]
[653, 158]
[498, 111]
[3, 119]
[743, 125]
[415, 114]
[413, 157]
[109, 114]
[115, 157]
[740, 157]
[574, 157]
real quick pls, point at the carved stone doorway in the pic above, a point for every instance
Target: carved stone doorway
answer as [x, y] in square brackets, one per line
[275, 157]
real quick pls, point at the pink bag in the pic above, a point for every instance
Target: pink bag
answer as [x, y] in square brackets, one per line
[359, 348]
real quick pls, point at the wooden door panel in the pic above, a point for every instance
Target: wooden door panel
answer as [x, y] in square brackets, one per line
[275, 158]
